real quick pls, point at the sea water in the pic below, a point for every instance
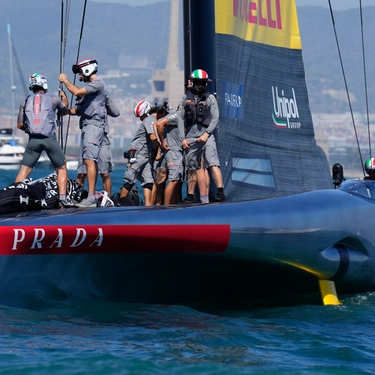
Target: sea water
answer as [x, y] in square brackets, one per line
[77, 336]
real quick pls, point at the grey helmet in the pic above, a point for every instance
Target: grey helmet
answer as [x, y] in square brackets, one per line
[38, 79]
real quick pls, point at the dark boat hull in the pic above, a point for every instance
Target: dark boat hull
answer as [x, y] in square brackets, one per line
[227, 252]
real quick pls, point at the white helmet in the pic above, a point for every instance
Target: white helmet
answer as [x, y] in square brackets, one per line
[142, 108]
[38, 79]
[88, 67]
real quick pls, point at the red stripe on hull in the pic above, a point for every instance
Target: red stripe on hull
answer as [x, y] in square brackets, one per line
[86, 239]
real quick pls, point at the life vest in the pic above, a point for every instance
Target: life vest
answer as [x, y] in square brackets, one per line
[39, 114]
[92, 107]
[196, 109]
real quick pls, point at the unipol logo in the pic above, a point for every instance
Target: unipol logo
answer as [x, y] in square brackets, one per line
[285, 109]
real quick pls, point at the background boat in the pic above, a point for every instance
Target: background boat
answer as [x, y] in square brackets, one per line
[11, 152]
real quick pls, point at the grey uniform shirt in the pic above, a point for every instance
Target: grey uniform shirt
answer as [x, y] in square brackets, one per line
[141, 141]
[171, 133]
[94, 101]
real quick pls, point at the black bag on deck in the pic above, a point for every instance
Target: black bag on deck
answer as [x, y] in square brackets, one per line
[40, 194]
[22, 197]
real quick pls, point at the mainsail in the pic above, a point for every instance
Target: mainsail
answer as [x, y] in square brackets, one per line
[266, 137]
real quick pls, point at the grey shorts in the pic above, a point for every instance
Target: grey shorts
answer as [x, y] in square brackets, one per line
[175, 165]
[210, 153]
[139, 170]
[105, 164]
[91, 140]
[194, 155]
[197, 151]
[37, 145]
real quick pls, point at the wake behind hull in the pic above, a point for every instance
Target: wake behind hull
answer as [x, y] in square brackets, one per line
[217, 252]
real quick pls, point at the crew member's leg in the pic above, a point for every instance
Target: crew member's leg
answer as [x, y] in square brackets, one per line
[133, 173]
[92, 175]
[107, 182]
[30, 158]
[91, 138]
[193, 163]
[213, 163]
[105, 165]
[58, 160]
[172, 194]
[147, 193]
[147, 182]
[23, 173]
[203, 182]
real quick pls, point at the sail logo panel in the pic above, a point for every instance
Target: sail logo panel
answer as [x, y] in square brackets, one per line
[265, 117]
[271, 22]
[233, 99]
[87, 239]
[285, 108]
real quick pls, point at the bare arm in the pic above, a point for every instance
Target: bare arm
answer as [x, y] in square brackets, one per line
[69, 111]
[154, 139]
[159, 130]
[72, 111]
[21, 126]
[64, 99]
[72, 88]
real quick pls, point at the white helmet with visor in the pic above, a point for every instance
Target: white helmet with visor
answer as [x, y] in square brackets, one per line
[86, 66]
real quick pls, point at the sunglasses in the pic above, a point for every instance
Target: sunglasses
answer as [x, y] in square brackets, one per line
[200, 82]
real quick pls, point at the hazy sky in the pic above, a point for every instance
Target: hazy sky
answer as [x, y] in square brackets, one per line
[336, 4]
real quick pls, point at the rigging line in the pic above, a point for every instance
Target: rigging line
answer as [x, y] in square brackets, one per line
[365, 80]
[67, 12]
[188, 32]
[59, 118]
[346, 87]
[77, 58]
[64, 32]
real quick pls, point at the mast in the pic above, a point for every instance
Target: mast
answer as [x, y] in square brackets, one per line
[12, 87]
[199, 38]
